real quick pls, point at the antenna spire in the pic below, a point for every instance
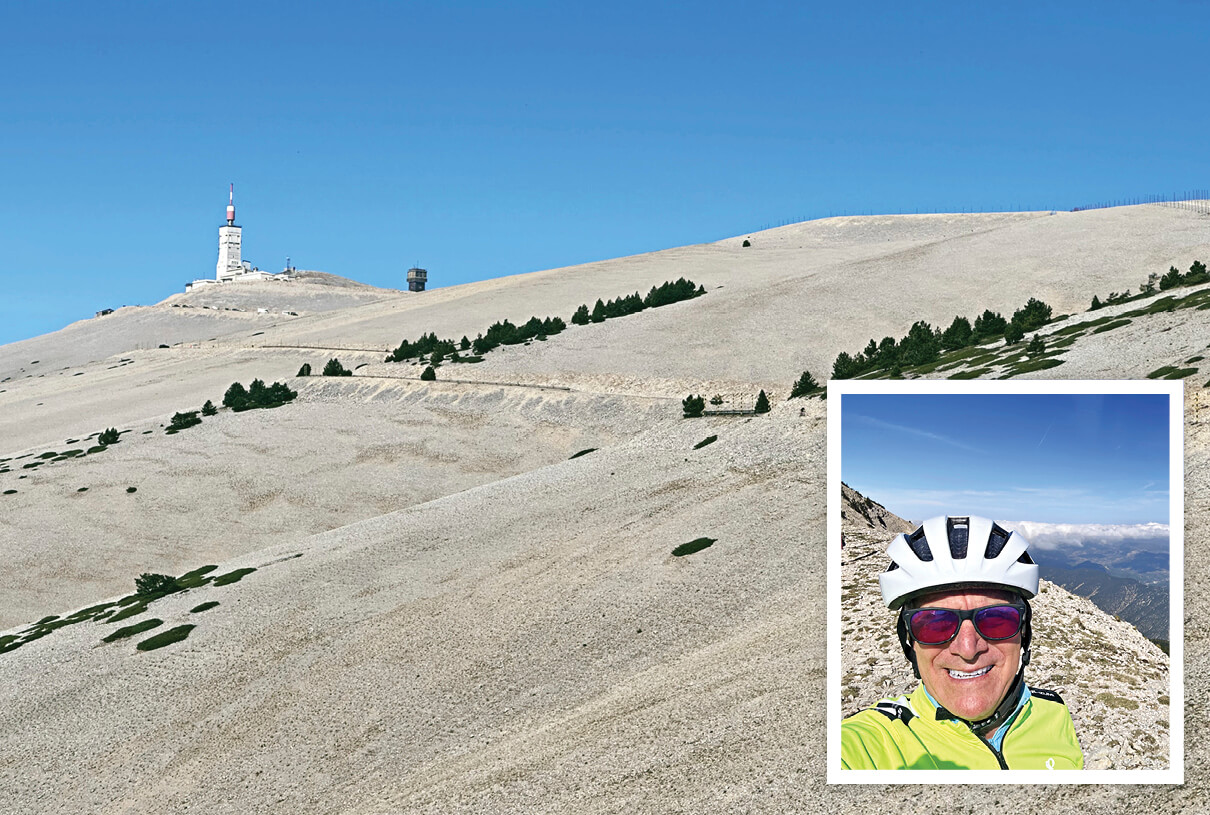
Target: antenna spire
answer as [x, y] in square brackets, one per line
[231, 206]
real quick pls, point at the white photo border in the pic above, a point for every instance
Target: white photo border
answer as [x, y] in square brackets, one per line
[837, 390]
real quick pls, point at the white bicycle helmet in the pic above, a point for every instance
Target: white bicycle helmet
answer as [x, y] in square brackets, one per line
[950, 552]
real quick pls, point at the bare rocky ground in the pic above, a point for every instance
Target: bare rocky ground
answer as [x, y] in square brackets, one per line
[451, 614]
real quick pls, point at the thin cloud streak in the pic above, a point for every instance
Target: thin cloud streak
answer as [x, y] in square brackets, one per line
[915, 431]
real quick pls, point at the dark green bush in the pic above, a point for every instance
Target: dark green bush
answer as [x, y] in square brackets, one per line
[705, 441]
[693, 406]
[108, 436]
[334, 368]
[258, 395]
[305, 370]
[233, 577]
[131, 630]
[151, 583]
[130, 611]
[180, 421]
[166, 638]
[132, 489]
[1036, 347]
[204, 607]
[746, 243]
[581, 316]
[428, 374]
[209, 409]
[695, 545]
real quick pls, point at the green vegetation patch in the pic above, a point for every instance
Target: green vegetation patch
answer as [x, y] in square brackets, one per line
[195, 578]
[130, 611]
[975, 374]
[204, 607]
[166, 638]
[131, 630]
[182, 421]
[695, 545]
[1162, 304]
[583, 453]
[233, 577]
[1035, 365]
[1171, 372]
[1181, 373]
[705, 441]
[1111, 326]
[1109, 700]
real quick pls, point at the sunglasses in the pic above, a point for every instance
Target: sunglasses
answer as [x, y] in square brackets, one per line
[937, 626]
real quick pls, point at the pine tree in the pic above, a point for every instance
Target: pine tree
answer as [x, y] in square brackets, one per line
[1096, 303]
[1036, 347]
[762, 403]
[598, 312]
[693, 406]
[428, 375]
[209, 409]
[305, 370]
[581, 316]
[236, 397]
[806, 384]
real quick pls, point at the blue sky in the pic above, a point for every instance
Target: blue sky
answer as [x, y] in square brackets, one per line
[480, 140]
[1055, 459]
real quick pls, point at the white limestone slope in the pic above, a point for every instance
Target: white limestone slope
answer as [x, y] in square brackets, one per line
[478, 623]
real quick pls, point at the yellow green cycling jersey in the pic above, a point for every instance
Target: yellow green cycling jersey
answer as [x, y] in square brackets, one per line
[913, 733]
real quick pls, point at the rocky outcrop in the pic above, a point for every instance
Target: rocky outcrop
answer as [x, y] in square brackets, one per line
[856, 508]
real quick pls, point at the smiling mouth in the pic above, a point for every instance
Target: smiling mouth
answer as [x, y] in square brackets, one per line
[968, 674]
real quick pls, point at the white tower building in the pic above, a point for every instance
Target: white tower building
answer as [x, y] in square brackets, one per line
[229, 264]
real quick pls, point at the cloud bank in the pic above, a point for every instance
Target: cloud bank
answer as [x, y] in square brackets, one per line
[1150, 536]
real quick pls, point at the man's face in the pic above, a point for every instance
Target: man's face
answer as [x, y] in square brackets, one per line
[951, 672]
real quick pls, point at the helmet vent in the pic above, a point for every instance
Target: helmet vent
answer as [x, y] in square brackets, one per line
[920, 545]
[996, 542]
[958, 530]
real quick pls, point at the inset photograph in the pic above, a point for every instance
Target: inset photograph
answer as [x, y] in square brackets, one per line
[1004, 582]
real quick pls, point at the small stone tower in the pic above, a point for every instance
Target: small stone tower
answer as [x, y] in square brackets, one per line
[229, 263]
[417, 278]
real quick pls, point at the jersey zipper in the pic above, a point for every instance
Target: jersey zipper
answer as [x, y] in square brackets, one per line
[999, 756]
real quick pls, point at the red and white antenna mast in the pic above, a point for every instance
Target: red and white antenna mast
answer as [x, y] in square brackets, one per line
[231, 206]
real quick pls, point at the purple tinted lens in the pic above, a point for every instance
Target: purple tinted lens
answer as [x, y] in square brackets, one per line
[998, 622]
[931, 626]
